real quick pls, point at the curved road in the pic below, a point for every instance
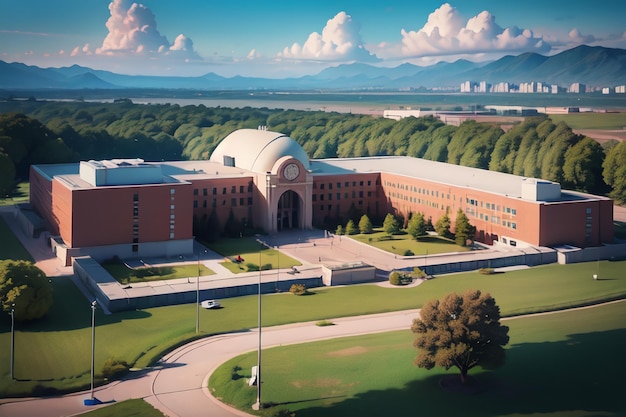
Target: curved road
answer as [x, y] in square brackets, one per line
[177, 386]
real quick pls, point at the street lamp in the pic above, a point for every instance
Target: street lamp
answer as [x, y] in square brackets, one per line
[277, 266]
[12, 341]
[257, 405]
[92, 400]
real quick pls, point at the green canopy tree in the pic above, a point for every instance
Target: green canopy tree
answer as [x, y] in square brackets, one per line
[365, 225]
[442, 226]
[351, 228]
[461, 331]
[614, 171]
[25, 288]
[391, 225]
[463, 230]
[417, 225]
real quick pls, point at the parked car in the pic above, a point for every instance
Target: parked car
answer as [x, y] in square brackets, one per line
[208, 304]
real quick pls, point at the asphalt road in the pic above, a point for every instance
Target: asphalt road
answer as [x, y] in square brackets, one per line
[177, 386]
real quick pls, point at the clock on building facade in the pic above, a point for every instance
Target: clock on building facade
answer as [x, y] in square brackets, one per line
[291, 171]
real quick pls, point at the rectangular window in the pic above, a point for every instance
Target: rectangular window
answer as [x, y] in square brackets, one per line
[249, 201]
[338, 185]
[321, 186]
[204, 204]
[233, 202]
[241, 201]
[195, 191]
[314, 197]
[233, 189]
[330, 185]
[195, 203]
[205, 191]
[338, 196]
[224, 190]
[241, 188]
[214, 191]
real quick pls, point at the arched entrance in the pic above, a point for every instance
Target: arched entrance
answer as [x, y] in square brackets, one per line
[289, 211]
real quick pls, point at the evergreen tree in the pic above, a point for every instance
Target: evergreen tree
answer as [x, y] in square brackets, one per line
[351, 228]
[417, 225]
[463, 230]
[442, 227]
[365, 225]
[391, 225]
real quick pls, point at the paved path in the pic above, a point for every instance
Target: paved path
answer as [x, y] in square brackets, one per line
[177, 385]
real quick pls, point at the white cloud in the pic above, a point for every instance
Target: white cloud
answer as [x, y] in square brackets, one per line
[340, 41]
[133, 30]
[577, 37]
[447, 33]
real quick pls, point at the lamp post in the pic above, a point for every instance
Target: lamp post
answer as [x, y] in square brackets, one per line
[12, 341]
[93, 342]
[277, 267]
[198, 297]
[257, 405]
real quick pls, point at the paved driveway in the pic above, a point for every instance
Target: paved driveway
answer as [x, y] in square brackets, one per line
[177, 385]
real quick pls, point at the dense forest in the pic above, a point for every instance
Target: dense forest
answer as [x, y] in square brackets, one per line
[33, 132]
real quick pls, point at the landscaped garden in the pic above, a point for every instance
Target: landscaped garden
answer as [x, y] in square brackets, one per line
[125, 274]
[401, 244]
[246, 254]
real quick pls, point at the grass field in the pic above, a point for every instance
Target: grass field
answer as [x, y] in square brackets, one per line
[129, 408]
[399, 244]
[552, 369]
[609, 121]
[126, 275]
[21, 194]
[252, 252]
[54, 354]
[10, 246]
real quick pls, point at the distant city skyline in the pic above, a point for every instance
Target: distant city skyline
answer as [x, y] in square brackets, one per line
[291, 39]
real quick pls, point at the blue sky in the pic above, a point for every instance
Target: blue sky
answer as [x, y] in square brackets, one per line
[292, 38]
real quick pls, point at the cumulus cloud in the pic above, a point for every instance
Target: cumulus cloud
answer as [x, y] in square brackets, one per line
[577, 37]
[133, 30]
[339, 41]
[447, 33]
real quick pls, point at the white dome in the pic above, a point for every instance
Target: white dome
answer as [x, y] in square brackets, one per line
[258, 150]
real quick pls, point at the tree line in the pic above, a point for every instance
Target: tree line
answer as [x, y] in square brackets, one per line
[33, 132]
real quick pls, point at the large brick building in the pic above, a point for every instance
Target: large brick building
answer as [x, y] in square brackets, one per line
[132, 208]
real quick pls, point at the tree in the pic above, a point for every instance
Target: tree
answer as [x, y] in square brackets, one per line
[463, 230]
[462, 332]
[614, 171]
[442, 227]
[25, 288]
[417, 225]
[351, 228]
[391, 225]
[339, 231]
[365, 225]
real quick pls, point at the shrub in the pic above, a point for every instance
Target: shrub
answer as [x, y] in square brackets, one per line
[266, 267]
[323, 323]
[408, 252]
[418, 273]
[114, 368]
[486, 271]
[298, 289]
[395, 278]
[252, 267]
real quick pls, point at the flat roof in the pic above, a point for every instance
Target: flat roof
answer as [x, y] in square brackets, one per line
[438, 172]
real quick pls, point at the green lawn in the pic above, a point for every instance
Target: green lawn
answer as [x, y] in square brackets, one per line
[399, 244]
[55, 352]
[552, 369]
[610, 121]
[127, 275]
[129, 408]
[21, 194]
[253, 253]
[10, 246]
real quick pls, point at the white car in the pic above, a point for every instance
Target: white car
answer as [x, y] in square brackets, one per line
[210, 304]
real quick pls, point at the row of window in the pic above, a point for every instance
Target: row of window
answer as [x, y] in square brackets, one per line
[233, 190]
[329, 196]
[346, 184]
[233, 202]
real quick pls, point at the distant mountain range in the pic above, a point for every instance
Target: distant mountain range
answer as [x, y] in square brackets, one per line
[594, 66]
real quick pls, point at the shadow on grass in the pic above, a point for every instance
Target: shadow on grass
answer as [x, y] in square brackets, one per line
[582, 373]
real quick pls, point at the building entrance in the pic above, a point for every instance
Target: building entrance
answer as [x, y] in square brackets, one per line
[289, 207]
